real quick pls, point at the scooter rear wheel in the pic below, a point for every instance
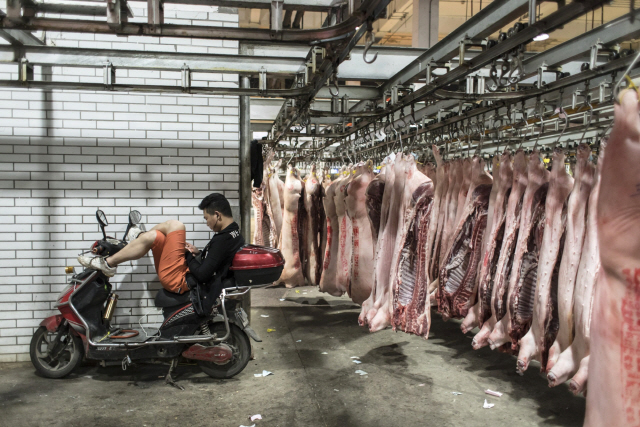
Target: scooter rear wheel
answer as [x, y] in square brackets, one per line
[242, 353]
[66, 361]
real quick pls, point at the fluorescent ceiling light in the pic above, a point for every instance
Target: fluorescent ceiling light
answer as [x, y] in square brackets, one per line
[541, 37]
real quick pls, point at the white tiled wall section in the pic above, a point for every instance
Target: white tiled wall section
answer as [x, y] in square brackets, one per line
[63, 154]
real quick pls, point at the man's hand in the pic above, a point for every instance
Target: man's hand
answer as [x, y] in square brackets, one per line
[191, 248]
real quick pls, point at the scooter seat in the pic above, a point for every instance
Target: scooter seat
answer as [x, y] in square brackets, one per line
[165, 298]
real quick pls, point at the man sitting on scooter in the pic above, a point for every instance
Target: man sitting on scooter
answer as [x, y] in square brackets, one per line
[172, 255]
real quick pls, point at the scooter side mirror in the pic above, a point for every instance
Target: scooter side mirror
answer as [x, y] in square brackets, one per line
[134, 217]
[102, 220]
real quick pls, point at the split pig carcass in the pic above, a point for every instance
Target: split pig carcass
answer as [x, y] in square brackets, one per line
[361, 273]
[313, 227]
[457, 280]
[292, 274]
[613, 368]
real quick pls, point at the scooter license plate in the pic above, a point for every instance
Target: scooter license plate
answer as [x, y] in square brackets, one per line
[243, 317]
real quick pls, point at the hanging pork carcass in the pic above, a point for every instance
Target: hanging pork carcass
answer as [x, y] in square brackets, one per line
[614, 373]
[315, 223]
[500, 281]
[456, 178]
[523, 266]
[328, 279]
[411, 307]
[361, 275]
[261, 220]
[378, 199]
[457, 279]
[407, 181]
[496, 215]
[292, 274]
[574, 238]
[537, 341]
[574, 360]
[274, 203]
[436, 222]
[344, 232]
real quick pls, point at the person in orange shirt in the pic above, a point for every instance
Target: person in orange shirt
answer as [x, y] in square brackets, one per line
[173, 257]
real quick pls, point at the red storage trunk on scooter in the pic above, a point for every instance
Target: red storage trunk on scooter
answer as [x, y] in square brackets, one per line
[257, 265]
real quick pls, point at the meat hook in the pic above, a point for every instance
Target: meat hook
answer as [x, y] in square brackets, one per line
[564, 128]
[535, 145]
[588, 123]
[334, 78]
[625, 76]
[369, 39]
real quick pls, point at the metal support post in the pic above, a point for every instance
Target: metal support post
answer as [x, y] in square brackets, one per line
[245, 162]
[345, 104]
[114, 13]
[394, 95]
[470, 84]
[14, 10]
[186, 78]
[481, 85]
[25, 71]
[335, 104]
[262, 81]
[532, 12]
[593, 58]
[277, 7]
[109, 75]
[155, 15]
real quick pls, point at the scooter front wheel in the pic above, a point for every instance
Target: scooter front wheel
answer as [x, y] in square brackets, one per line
[58, 365]
[241, 345]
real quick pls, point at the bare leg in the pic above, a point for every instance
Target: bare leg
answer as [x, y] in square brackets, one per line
[139, 247]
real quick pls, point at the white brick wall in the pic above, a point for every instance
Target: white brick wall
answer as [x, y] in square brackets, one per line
[63, 154]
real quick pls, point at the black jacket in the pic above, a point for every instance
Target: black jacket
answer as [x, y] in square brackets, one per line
[209, 269]
[217, 256]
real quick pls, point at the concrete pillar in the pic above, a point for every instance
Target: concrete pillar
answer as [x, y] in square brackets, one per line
[424, 23]
[245, 163]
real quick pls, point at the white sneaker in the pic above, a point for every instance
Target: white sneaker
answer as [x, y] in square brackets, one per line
[97, 263]
[133, 233]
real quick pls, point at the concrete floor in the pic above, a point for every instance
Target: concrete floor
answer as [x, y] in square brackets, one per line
[409, 382]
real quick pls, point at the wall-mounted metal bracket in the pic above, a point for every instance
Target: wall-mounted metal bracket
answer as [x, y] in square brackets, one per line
[480, 85]
[540, 82]
[316, 52]
[14, 10]
[25, 71]
[462, 47]
[109, 75]
[602, 91]
[262, 81]
[186, 78]
[277, 7]
[385, 95]
[155, 12]
[574, 98]
[118, 13]
[394, 95]
[345, 104]
[471, 84]
[593, 59]
[335, 105]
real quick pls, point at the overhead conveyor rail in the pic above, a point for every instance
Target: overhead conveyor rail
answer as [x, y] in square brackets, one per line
[467, 76]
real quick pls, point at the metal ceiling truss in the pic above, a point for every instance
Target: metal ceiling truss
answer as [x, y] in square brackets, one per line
[23, 15]
[465, 75]
[591, 46]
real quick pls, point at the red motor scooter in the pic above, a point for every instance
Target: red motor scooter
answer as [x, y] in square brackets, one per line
[218, 341]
